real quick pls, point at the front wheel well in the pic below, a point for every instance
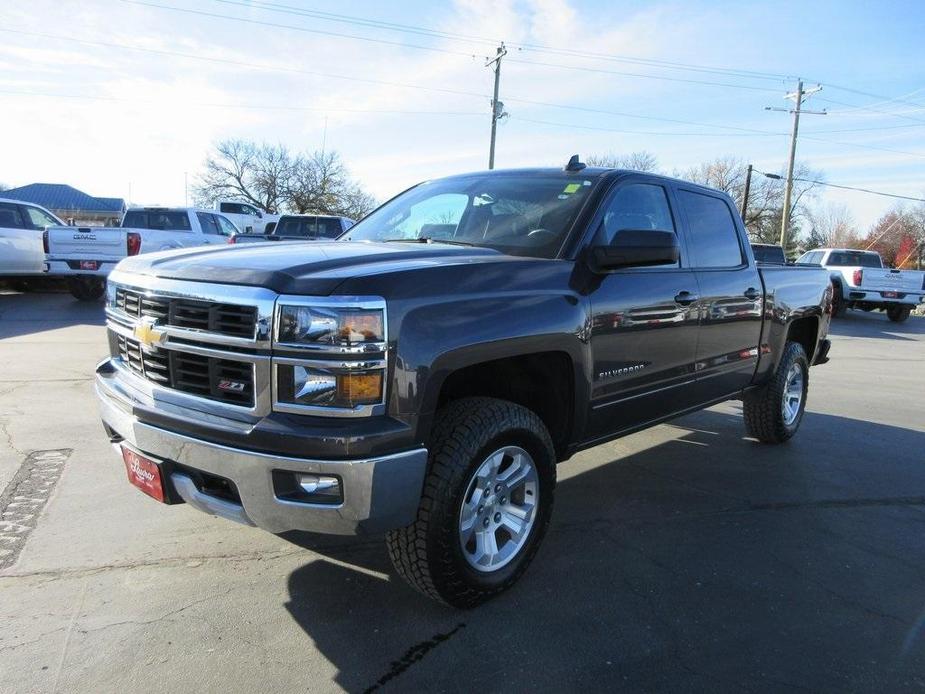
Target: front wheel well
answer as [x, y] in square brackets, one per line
[542, 382]
[805, 331]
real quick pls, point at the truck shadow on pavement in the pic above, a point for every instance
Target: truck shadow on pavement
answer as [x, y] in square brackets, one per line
[875, 324]
[704, 561]
[36, 312]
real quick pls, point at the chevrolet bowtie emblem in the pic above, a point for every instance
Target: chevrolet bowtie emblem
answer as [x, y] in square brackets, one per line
[147, 332]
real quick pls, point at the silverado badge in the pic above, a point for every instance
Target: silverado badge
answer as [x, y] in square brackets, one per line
[147, 332]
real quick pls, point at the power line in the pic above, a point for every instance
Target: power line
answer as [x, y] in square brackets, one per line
[623, 131]
[883, 99]
[539, 48]
[443, 90]
[274, 25]
[640, 75]
[836, 185]
[853, 107]
[259, 107]
[239, 63]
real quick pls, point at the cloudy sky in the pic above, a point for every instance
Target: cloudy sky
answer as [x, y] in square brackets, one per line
[114, 96]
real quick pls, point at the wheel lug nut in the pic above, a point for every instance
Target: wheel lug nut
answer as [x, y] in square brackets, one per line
[497, 487]
[497, 518]
[481, 510]
[486, 521]
[503, 500]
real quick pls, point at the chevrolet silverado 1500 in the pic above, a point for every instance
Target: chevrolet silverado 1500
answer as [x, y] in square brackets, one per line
[423, 375]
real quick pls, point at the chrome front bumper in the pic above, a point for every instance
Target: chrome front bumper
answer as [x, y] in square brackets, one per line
[378, 493]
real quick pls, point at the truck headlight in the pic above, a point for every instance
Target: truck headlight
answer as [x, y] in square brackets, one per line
[335, 326]
[341, 386]
[110, 294]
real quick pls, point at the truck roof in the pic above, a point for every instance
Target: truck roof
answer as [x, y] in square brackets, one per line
[162, 208]
[847, 250]
[586, 172]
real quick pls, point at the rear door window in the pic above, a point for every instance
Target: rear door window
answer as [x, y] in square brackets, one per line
[10, 216]
[208, 223]
[714, 241]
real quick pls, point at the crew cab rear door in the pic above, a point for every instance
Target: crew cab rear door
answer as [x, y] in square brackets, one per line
[731, 293]
[643, 320]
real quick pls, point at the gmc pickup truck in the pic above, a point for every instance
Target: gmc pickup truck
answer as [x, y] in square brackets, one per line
[86, 255]
[859, 280]
[423, 375]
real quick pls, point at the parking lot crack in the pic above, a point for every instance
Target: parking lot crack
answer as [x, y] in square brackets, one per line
[412, 656]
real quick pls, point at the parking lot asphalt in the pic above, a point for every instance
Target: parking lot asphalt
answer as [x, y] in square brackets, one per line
[682, 558]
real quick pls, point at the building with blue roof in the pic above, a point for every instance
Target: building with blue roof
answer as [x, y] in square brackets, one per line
[70, 204]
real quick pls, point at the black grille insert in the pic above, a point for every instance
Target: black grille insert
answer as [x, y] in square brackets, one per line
[224, 380]
[225, 319]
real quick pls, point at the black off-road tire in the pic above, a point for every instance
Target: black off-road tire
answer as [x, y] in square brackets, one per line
[898, 314]
[428, 553]
[764, 419]
[87, 288]
[839, 306]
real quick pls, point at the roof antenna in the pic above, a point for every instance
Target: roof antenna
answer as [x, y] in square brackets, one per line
[574, 164]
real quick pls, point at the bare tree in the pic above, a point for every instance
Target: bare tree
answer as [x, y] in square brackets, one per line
[832, 226]
[272, 178]
[637, 161]
[320, 183]
[246, 171]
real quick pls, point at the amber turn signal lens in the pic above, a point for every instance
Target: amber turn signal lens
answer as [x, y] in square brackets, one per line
[359, 388]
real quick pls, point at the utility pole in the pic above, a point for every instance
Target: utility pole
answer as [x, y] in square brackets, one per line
[797, 97]
[748, 187]
[497, 108]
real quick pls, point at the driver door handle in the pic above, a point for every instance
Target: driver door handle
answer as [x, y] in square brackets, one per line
[685, 298]
[751, 294]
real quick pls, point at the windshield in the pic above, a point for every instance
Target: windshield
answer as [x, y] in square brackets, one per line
[854, 259]
[309, 227]
[520, 214]
[167, 220]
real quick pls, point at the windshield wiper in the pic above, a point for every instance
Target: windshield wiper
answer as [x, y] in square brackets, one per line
[430, 239]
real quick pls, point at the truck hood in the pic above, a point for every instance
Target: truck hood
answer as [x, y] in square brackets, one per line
[311, 268]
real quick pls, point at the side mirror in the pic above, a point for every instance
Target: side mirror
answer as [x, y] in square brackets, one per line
[259, 214]
[635, 248]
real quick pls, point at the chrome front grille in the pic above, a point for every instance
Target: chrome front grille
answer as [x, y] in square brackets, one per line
[223, 380]
[206, 350]
[234, 320]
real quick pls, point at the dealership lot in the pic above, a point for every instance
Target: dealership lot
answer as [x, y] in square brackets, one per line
[683, 557]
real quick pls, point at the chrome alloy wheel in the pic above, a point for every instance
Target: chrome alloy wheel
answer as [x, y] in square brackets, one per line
[793, 395]
[499, 509]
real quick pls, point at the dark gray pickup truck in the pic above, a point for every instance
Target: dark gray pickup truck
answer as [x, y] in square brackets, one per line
[423, 375]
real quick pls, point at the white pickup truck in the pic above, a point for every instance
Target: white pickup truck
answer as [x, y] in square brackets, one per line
[86, 255]
[248, 218]
[301, 227]
[859, 280]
